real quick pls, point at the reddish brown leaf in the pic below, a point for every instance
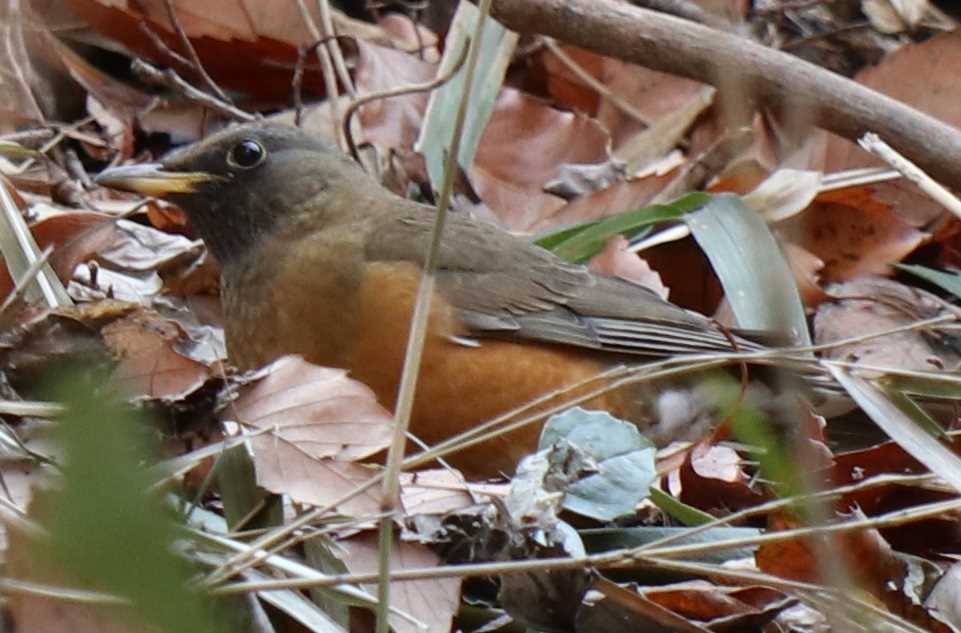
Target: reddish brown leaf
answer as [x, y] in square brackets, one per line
[520, 151]
[713, 477]
[620, 197]
[149, 363]
[391, 123]
[615, 260]
[897, 76]
[650, 94]
[852, 233]
[698, 600]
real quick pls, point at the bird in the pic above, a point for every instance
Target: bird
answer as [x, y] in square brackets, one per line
[318, 259]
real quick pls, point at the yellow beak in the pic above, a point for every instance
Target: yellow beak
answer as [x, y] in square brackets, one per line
[150, 179]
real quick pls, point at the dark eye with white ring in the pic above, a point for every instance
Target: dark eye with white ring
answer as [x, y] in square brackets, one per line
[246, 154]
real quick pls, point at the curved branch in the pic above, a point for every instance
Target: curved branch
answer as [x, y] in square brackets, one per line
[766, 77]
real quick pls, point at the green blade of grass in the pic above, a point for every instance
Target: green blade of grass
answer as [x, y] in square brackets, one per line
[949, 282]
[757, 280]
[580, 243]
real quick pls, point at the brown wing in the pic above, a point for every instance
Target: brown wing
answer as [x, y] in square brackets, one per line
[503, 286]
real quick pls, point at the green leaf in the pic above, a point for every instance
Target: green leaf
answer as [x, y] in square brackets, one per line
[757, 280]
[688, 515]
[580, 243]
[901, 428]
[624, 459]
[910, 408]
[949, 282]
[609, 539]
[106, 526]
[240, 494]
[945, 385]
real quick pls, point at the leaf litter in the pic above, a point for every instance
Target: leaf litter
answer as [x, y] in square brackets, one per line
[147, 310]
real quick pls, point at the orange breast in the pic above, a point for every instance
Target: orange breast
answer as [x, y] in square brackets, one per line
[458, 386]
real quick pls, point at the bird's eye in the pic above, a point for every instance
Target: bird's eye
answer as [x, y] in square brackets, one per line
[246, 154]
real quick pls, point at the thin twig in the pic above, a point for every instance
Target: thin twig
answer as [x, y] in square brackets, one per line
[390, 488]
[297, 84]
[327, 69]
[57, 138]
[28, 138]
[170, 79]
[329, 36]
[594, 84]
[789, 5]
[161, 45]
[196, 65]
[874, 144]
[355, 105]
[28, 276]
[847, 28]
[618, 559]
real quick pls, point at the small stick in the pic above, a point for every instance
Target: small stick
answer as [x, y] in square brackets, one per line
[394, 92]
[161, 46]
[873, 143]
[297, 84]
[327, 68]
[333, 47]
[170, 79]
[192, 52]
[594, 84]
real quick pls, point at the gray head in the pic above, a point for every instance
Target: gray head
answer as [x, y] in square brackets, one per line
[237, 185]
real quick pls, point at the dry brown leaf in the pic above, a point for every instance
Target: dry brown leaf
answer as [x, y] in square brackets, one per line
[608, 606]
[697, 599]
[75, 236]
[617, 261]
[150, 364]
[713, 477]
[432, 601]
[620, 197]
[248, 46]
[433, 492]
[864, 556]
[897, 76]
[521, 149]
[34, 86]
[283, 468]
[391, 123]
[852, 233]
[651, 94]
[877, 305]
[321, 411]
[806, 267]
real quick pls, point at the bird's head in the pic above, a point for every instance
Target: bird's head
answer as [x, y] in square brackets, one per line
[240, 184]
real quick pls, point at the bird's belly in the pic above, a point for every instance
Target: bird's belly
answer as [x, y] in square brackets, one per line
[365, 331]
[459, 386]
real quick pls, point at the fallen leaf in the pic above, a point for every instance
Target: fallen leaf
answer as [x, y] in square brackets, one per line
[431, 601]
[319, 410]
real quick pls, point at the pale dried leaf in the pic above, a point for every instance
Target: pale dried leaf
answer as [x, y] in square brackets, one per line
[320, 410]
[432, 601]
